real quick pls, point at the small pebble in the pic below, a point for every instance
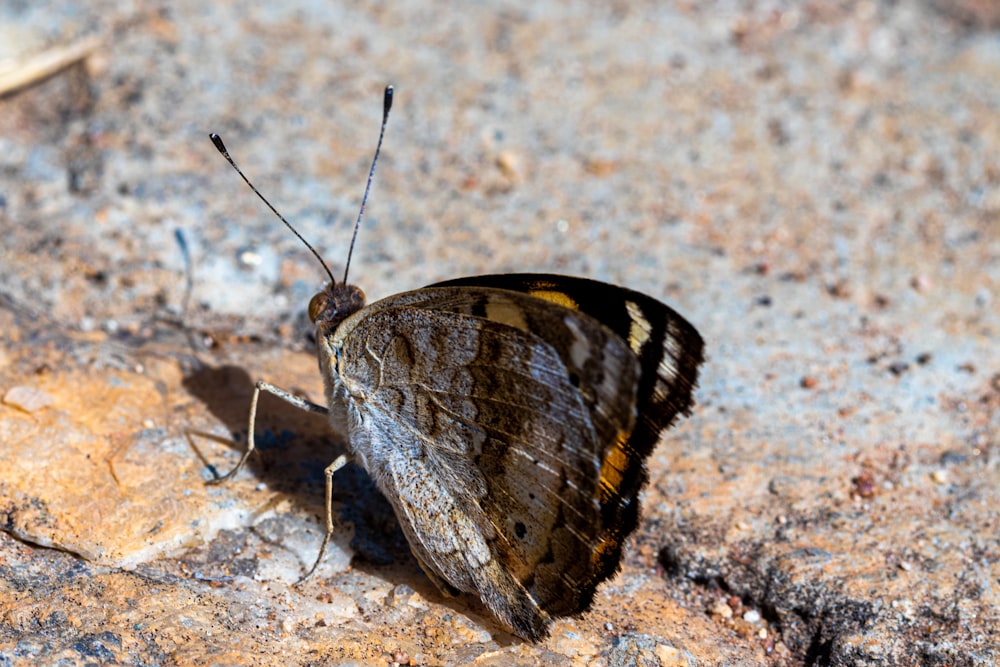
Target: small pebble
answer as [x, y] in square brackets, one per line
[248, 258]
[509, 165]
[921, 284]
[722, 610]
[898, 367]
[28, 399]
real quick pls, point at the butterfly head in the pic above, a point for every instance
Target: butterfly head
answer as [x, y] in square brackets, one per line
[333, 305]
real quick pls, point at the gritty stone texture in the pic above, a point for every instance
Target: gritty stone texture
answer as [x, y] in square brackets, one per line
[816, 186]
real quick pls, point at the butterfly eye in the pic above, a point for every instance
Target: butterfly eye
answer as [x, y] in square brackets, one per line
[317, 305]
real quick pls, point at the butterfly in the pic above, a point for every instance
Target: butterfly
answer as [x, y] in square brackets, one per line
[507, 419]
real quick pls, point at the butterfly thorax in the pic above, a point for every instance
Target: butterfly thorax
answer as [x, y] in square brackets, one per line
[328, 309]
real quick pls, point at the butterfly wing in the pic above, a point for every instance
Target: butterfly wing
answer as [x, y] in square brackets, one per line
[498, 425]
[669, 350]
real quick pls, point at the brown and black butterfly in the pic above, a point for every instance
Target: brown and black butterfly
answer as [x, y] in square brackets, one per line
[507, 419]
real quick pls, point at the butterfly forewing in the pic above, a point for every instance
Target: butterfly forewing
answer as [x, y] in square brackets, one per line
[669, 350]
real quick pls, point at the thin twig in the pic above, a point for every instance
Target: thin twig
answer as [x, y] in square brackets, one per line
[32, 69]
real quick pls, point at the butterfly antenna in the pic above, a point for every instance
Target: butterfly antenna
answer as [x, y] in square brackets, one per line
[221, 147]
[386, 106]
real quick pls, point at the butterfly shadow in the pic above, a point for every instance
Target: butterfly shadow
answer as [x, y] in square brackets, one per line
[293, 447]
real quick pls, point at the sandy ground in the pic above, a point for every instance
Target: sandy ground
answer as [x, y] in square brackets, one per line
[815, 186]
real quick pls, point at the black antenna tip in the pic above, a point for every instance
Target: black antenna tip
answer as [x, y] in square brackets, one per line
[386, 101]
[217, 140]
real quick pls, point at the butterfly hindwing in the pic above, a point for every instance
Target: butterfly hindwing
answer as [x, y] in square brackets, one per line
[499, 408]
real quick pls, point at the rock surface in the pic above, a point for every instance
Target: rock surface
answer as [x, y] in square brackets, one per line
[815, 186]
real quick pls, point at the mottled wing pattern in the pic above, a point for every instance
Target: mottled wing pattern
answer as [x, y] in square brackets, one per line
[502, 425]
[669, 350]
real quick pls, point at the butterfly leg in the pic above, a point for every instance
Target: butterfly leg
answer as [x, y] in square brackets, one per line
[337, 464]
[300, 403]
